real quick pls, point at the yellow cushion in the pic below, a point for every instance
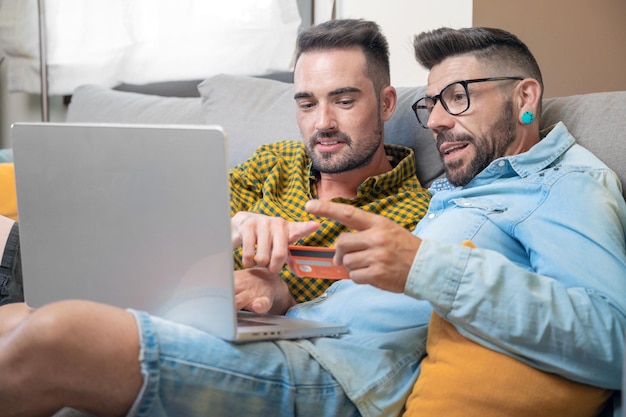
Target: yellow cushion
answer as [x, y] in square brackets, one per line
[8, 198]
[460, 378]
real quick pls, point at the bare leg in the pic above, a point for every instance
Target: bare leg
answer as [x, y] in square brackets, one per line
[73, 353]
[11, 315]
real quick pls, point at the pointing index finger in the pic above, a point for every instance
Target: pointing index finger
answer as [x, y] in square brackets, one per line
[344, 213]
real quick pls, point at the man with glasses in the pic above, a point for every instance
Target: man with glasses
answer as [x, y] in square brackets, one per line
[546, 205]
[522, 253]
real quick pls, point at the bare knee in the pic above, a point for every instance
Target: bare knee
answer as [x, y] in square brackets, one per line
[87, 353]
[73, 330]
[84, 328]
[11, 315]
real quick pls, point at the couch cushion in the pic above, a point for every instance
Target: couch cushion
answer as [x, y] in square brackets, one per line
[597, 121]
[404, 129]
[252, 111]
[460, 378]
[8, 197]
[97, 104]
[257, 111]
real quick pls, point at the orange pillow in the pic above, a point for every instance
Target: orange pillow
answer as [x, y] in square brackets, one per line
[8, 197]
[460, 378]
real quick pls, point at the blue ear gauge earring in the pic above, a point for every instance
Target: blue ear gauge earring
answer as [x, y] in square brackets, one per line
[528, 117]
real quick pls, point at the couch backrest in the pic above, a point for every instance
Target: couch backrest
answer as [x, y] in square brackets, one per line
[597, 121]
[98, 104]
[256, 111]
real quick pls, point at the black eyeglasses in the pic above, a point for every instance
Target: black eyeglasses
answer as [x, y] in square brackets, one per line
[454, 98]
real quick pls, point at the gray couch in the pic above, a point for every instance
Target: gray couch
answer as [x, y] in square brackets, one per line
[255, 111]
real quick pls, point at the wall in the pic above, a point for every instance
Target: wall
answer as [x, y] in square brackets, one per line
[579, 44]
[400, 21]
[22, 107]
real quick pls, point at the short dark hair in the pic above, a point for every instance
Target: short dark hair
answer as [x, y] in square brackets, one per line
[348, 33]
[496, 47]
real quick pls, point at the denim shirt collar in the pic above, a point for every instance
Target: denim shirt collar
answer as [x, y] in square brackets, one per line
[539, 157]
[543, 154]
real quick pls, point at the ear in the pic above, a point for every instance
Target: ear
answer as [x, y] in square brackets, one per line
[388, 100]
[528, 97]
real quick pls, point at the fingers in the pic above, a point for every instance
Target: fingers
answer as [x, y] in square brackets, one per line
[379, 253]
[343, 213]
[265, 239]
[261, 291]
[354, 218]
[298, 230]
[258, 305]
[269, 238]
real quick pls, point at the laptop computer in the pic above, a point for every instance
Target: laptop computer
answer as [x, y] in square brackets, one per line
[135, 216]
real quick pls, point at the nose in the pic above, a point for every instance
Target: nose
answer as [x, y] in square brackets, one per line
[439, 118]
[325, 119]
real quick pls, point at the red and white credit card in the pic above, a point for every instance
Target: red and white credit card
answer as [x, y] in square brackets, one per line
[315, 262]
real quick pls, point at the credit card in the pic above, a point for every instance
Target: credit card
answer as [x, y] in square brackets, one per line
[315, 262]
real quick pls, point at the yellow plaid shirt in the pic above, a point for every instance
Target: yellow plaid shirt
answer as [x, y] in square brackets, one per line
[278, 179]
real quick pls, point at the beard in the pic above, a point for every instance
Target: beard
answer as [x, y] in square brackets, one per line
[352, 157]
[487, 148]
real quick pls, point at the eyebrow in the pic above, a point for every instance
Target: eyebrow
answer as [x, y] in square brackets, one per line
[336, 92]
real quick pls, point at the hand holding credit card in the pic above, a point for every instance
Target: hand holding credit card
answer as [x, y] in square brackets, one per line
[315, 262]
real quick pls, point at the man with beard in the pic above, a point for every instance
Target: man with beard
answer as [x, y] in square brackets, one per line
[522, 253]
[343, 97]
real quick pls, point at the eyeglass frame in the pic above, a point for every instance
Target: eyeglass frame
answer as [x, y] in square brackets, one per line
[464, 83]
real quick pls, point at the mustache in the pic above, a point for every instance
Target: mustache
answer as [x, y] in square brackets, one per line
[327, 134]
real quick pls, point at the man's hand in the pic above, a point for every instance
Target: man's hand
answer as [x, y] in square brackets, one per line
[262, 291]
[265, 239]
[380, 253]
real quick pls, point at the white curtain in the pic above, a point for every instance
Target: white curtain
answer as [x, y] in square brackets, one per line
[109, 42]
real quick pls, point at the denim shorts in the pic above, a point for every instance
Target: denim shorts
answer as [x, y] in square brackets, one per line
[11, 285]
[189, 373]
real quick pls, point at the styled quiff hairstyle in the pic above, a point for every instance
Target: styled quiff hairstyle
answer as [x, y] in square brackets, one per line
[496, 48]
[349, 33]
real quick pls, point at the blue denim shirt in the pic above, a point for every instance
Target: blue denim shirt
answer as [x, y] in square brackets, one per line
[547, 283]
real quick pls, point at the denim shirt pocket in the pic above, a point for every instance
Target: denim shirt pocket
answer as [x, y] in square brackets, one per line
[484, 205]
[479, 219]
